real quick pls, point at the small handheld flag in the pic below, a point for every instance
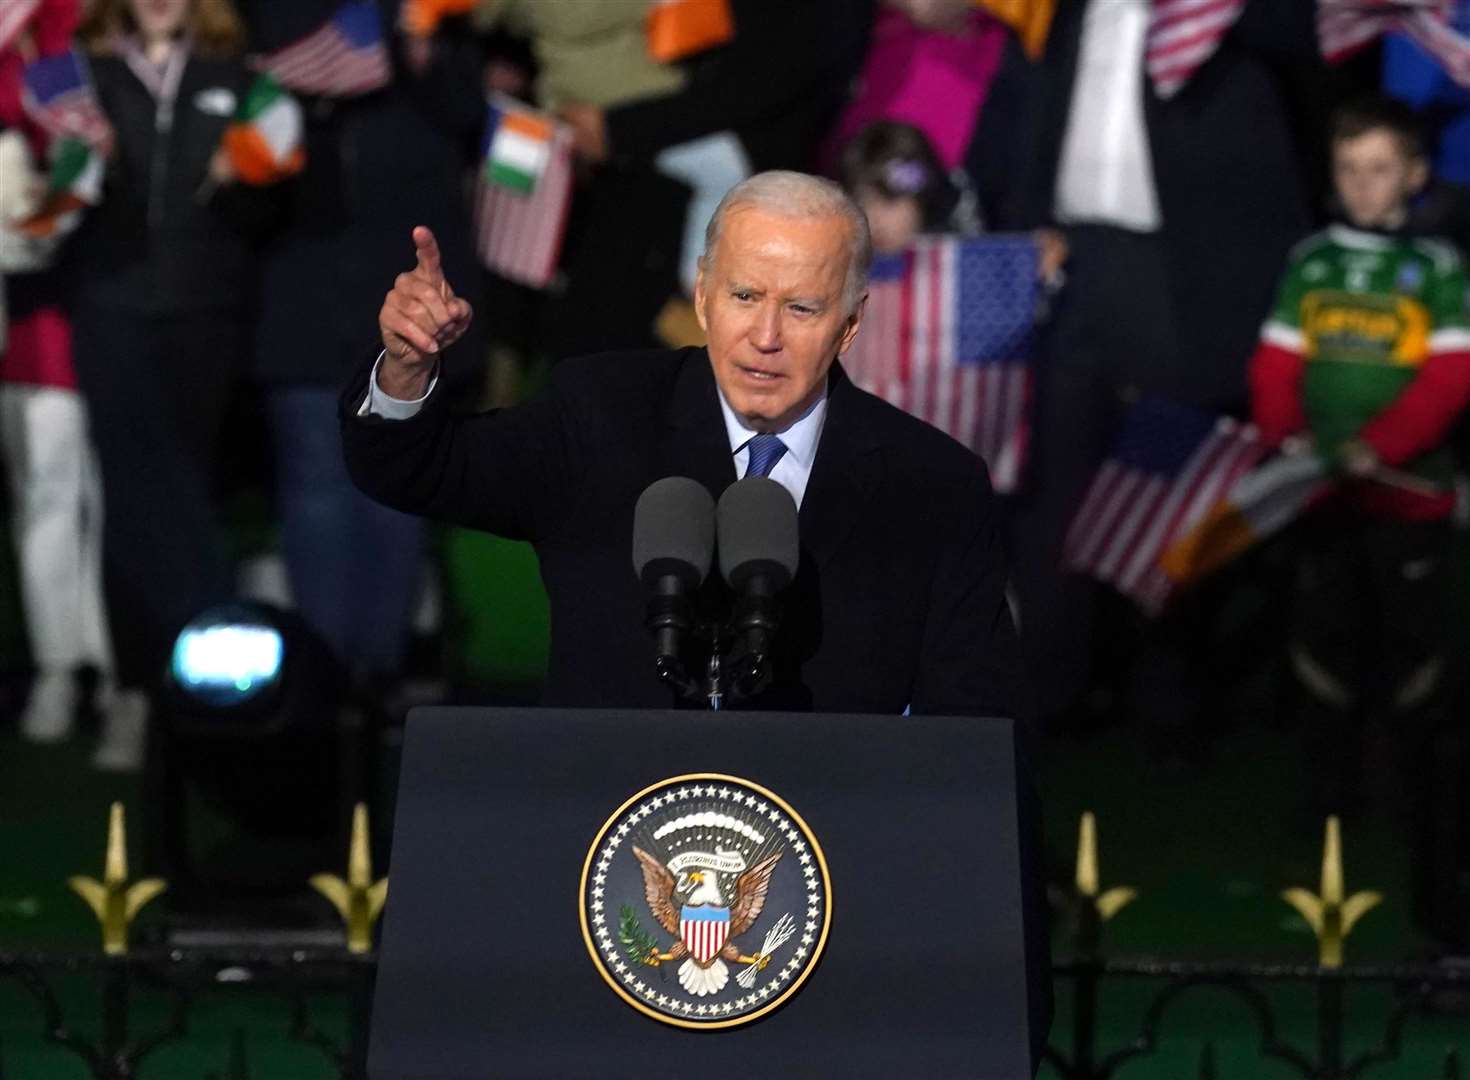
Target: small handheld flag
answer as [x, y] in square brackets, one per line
[346, 57]
[680, 28]
[1259, 504]
[1436, 26]
[14, 14]
[519, 149]
[58, 95]
[422, 17]
[524, 193]
[1030, 19]
[947, 336]
[264, 141]
[1183, 35]
[75, 183]
[1169, 466]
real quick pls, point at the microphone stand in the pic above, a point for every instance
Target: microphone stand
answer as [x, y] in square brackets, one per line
[714, 681]
[733, 673]
[670, 670]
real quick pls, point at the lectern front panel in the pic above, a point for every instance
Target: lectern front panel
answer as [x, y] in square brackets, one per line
[490, 964]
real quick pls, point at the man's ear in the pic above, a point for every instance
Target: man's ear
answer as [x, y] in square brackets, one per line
[1418, 175]
[853, 322]
[699, 298]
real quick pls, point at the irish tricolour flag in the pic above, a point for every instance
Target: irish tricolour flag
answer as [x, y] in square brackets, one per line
[523, 193]
[74, 184]
[520, 149]
[265, 139]
[1259, 504]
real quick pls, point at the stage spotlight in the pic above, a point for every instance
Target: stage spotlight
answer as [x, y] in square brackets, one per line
[227, 663]
[249, 716]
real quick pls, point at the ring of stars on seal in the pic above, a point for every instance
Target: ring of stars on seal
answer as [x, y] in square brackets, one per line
[705, 901]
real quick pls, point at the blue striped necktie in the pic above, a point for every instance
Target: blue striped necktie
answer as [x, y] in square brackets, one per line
[765, 450]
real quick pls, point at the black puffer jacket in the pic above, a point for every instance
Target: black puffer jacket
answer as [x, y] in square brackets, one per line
[163, 240]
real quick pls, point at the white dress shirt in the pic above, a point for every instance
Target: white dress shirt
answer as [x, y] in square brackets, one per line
[376, 403]
[1105, 175]
[795, 467]
[792, 472]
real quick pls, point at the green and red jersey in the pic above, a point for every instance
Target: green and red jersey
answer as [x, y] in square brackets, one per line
[1370, 340]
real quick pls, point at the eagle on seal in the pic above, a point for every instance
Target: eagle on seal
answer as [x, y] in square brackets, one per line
[704, 974]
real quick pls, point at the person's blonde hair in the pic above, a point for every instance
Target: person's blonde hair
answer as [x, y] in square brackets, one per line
[215, 26]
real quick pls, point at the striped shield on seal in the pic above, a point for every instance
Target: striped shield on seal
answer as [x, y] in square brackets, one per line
[703, 931]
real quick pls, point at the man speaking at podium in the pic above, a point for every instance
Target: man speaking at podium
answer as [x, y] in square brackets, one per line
[898, 600]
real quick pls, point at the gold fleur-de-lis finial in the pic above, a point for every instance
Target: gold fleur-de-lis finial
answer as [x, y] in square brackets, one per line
[113, 900]
[1330, 915]
[1114, 900]
[359, 899]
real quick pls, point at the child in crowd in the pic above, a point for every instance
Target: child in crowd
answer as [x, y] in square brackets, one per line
[893, 172]
[1365, 361]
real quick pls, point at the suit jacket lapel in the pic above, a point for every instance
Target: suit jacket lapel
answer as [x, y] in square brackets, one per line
[694, 442]
[841, 480]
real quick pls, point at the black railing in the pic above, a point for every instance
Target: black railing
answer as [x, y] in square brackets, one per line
[1417, 988]
[299, 978]
[184, 977]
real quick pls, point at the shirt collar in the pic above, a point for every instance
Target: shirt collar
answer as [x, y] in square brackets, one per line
[1361, 239]
[800, 437]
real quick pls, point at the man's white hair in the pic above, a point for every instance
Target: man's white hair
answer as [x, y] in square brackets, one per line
[800, 195]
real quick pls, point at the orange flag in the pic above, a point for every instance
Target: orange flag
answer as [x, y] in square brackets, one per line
[680, 28]
[422, 17]
[1030, 19]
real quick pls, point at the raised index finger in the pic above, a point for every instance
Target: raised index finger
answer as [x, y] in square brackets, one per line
[427, 250]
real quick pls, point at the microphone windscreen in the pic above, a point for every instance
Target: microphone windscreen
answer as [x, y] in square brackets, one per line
[674, 525]
[757, 529]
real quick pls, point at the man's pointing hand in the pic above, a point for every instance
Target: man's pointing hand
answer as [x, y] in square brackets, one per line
[420, 316]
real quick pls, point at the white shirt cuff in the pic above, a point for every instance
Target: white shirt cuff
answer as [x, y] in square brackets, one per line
[377, 403]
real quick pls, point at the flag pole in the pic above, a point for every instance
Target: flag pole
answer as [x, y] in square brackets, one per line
[1397, 478]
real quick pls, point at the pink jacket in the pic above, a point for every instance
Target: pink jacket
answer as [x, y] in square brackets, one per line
[936, 82]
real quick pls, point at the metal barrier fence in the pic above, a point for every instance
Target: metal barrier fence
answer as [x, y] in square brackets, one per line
[295, 977]
[122, 979]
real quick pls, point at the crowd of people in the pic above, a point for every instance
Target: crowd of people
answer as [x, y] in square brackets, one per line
[1166, 217]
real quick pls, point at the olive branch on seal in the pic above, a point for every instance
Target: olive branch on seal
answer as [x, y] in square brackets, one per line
[637, 944]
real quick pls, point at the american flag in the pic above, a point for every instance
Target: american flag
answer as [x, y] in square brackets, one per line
[1182, 35]
[1437, 26]
[13, 15]
[347, 56]
[58, 95]
[947, 337]
[519, 234]
[1171, 465]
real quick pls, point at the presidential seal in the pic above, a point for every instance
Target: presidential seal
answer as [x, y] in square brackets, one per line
[705, 901]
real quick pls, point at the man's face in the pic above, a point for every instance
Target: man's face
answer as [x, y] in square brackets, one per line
[1375, 179]
[770, 301]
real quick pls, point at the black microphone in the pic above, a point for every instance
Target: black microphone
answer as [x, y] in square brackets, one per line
[759, 552]
[673, 543]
